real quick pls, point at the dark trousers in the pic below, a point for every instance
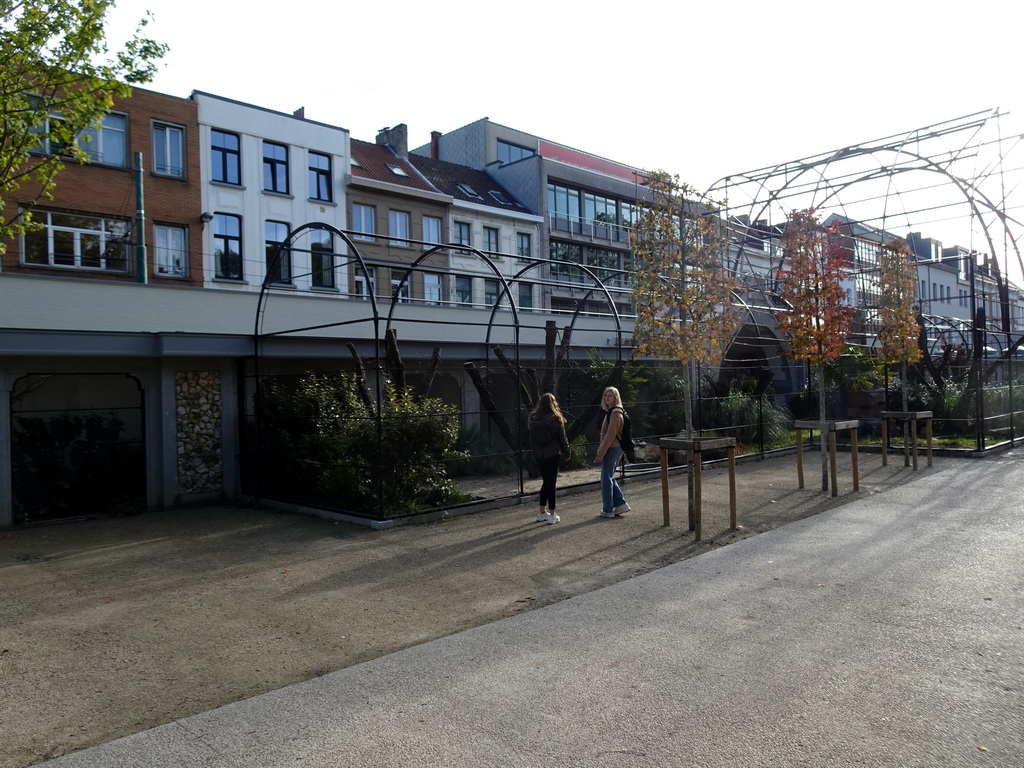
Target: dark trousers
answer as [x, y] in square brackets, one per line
[548, 474]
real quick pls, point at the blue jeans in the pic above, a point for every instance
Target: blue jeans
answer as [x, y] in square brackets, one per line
[611, 494]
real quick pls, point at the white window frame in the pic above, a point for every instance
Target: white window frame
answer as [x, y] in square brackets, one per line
[432, 229]
[170, 250]
[398, 227]
[173, 158]
[364, 221]
[90, 247]
[359, 282]
[432, 286]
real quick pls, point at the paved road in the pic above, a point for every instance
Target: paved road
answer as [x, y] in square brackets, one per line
[886, 632]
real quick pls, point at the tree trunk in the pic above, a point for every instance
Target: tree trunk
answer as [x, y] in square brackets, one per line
[821, 418]
[691, 498]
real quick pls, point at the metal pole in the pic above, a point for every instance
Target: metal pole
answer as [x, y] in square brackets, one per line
[141, 269]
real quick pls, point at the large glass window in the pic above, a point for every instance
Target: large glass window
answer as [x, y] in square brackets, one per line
[524, 246]
[364, 219]
[463, 291]
[605, 265]
[320, 185]
[431, 288]
[398, 227]
[226, 157]
[321, 254]
[509, 153]
[563, 207]
[491, 239]
[432, 229]
[169, 253]
[275, 167]
[227, 246]
[77, 240]
[279, 260]
[463, 234]
[168, 150]
[599, 214]
[565, 256]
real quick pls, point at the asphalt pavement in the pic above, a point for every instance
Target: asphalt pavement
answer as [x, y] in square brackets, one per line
[888, 631]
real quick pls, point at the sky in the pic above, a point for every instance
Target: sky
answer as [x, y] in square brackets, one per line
[703, 90]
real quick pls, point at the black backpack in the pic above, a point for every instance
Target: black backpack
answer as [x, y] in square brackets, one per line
[626, 438]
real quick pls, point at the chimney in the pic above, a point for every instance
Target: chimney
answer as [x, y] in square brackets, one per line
[300, 113]
[397, 138]
[435, 145]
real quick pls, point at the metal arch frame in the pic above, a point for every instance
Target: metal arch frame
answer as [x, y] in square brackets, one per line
[795, 171]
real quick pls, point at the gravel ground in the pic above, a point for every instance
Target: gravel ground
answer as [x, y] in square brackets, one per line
[110, 627]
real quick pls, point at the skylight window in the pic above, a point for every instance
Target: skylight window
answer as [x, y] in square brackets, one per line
[499, 197]
[468, 191]
[397, 171]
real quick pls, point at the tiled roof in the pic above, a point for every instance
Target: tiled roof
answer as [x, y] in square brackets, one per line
[467, 184]
[372, 161]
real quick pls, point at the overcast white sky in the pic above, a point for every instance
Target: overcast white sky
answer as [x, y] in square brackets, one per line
[703, 89]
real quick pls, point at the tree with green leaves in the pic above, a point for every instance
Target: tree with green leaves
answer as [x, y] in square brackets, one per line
[682, 290]
[58, 79]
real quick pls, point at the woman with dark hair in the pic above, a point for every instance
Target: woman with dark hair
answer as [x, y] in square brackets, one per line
[550, 446]
[609, 454]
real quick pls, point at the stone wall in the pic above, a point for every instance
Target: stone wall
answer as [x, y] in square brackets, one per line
[200, 447]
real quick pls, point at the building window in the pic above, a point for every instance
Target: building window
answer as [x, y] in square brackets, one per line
[491, 290]
[463, 291]
[321, 254]
[431, 288]
[432, 229]
[468, 191]
[526, 296]
[365, 288]
[226, 157]
[275, 168]
[463, 234]
[77, 240]
[107, 142]
[524, 246]
[509, 153]
[168, 150]
[364, 219]
[279, 260]
[399, 287]
[398, 227]
[491, 237]
[169, 253]
[564, 257]
[227, 246]
[320, 187]
[564, 207]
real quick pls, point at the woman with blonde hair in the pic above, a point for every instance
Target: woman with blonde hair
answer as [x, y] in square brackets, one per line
[550, 446]
[609, 454]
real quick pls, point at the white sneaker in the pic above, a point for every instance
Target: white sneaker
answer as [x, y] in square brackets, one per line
[553, 518]
[542, 517]
[621, 509]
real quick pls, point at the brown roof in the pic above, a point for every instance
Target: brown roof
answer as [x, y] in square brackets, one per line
[372, 161]
[467, 184]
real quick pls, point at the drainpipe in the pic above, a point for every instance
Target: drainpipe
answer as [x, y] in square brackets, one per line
[141, 269]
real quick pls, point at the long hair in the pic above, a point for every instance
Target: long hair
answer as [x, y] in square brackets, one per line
[618, 398]
[548, 404]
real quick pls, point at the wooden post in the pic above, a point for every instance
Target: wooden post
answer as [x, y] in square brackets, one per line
[853, 459]
[664, 488]
[832, 461]
[697, 472]
[928, 437]
[885, 441]
[732, 487]
[913, 440]
[800, 457]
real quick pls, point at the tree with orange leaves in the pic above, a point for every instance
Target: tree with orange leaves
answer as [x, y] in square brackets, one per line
[898, 337]
[819, 318]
